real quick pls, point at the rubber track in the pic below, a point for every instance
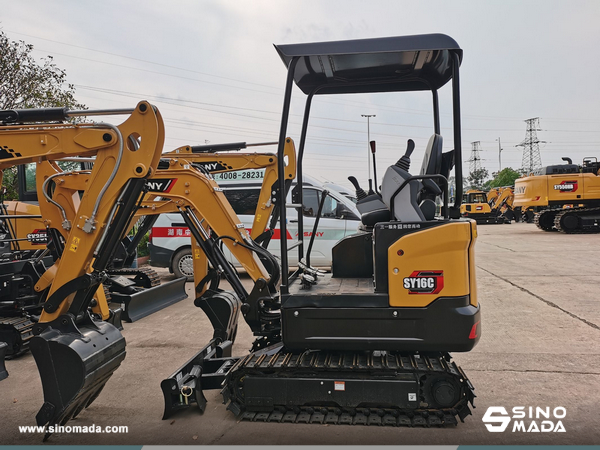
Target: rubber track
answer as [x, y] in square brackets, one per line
[25, 327]
[149, 274]
[297, 364]
[576, 211]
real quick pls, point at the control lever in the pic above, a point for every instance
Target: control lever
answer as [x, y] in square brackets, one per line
[404, 161]
[360, 193]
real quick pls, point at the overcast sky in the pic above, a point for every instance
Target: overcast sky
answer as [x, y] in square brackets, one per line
[211, 68]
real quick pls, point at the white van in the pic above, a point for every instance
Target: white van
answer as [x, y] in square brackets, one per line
[170, 244]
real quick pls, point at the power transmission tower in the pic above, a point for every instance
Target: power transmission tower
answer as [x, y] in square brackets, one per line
[475, 159]
[531, 146]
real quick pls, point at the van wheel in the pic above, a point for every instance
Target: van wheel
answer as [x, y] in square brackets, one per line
[183, 264]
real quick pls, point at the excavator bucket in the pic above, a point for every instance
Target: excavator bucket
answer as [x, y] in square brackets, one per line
[3, 371]
[74, 362]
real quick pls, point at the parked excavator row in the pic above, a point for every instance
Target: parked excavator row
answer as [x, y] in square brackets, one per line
[565, 197]
[125, 286]
[364, 345]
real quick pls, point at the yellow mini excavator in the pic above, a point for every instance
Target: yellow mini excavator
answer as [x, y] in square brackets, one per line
[564, 197]
[491, 208]
[368, 344]
[75, 353]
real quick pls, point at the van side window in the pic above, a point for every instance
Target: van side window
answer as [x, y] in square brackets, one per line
[330, 207]
[243, 201]
[310, 202]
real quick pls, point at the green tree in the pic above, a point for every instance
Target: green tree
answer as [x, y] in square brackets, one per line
[506, 177]
[25, 83]
[476, 178]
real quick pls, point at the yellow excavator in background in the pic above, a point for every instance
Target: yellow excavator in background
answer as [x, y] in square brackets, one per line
[488, 208]
[564, 197]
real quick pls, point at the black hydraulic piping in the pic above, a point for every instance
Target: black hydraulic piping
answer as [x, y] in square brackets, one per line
[281, 171]
[436, 112]
[457, 134]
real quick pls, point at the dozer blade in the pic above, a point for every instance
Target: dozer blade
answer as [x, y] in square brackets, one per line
[3, 371]
[148, 301]
[74, 362]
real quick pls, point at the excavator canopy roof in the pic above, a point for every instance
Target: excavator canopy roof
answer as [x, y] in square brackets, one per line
[404, 63]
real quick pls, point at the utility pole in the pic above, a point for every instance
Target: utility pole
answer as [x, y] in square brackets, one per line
[499, 156]
[368, 116]
[531, 146]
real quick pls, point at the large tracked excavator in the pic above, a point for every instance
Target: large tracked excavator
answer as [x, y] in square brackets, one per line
[368, 344]
[565, 197]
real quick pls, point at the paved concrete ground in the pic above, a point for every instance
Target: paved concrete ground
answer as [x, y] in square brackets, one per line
[541, 328]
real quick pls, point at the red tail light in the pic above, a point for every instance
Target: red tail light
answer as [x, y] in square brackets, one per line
[150, 236]
[474, 334]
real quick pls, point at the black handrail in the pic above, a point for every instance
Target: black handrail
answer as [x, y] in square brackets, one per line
[324, 195]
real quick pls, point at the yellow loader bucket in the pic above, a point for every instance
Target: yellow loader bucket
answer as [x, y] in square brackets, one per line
[74, 362]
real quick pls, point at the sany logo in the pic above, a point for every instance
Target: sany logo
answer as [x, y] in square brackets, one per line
[566, 186]
[161, 185]
[497, 419]
[519, 189]
[213, 166]
[424, 282]
[479, 208]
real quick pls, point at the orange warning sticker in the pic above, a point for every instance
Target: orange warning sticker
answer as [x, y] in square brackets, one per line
[339, 385]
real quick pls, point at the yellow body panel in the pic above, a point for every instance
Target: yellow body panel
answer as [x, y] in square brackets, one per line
[542, 190]
[445, 248]
[24, 227]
